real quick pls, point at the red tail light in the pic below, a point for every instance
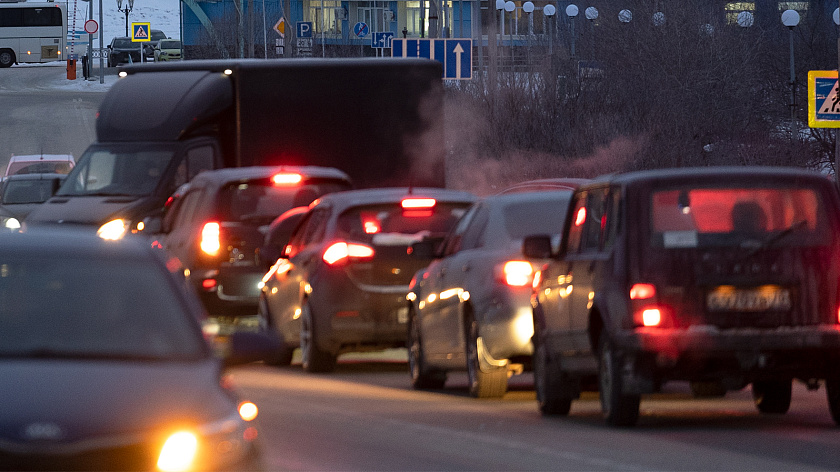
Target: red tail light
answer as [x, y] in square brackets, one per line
[580, 217]
[342, 251]
[210, 238]
[286, 178]
[642, 291]
[208, 284]
[651, 317]
[518, 273]
[418, 203]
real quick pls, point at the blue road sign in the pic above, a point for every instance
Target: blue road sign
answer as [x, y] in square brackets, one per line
[304, 29]
[828, 100]
[381, 39]
[361, 29]
[454, 54]
[140, 32]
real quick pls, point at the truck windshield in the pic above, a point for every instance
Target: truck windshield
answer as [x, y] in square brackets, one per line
[129, 172]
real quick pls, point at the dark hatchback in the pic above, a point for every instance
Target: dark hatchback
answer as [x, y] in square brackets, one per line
[105, 365]
[722, 277]
[22, 193]
[216, 226]
[123, 50]
[341, 283]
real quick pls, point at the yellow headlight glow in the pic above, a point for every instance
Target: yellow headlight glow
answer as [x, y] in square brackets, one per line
[178, 453]
[112, 230]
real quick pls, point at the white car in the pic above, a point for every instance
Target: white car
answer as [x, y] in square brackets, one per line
[40, 164]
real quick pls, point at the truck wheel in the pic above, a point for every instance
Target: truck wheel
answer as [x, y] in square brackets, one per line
[772, 396]
[313, 359]
[483, 384]
[421, 376]
[832, 391]
[7, 58]
[618, 407]
[548, 379]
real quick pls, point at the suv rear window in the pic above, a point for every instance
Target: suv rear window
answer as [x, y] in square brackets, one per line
[697, 217]
[260, 199]
[365, 223]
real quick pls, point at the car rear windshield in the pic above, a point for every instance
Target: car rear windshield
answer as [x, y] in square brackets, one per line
[27, 191]
[391, 224]
[535, 217]
[260, 201]
[92, 308]
[697, 217]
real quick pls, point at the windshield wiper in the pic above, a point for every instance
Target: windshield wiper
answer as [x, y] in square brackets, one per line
[772, 239]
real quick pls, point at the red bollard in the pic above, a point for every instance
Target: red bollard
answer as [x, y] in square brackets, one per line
[71, 69]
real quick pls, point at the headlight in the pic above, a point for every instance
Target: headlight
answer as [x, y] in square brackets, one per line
[113, 230]
[10, 223]
[210, 446]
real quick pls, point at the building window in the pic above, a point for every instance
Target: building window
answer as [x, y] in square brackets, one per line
[325, 21]
[733, 9]
[801, 7]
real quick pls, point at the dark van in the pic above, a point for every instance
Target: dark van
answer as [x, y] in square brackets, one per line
[722, 277]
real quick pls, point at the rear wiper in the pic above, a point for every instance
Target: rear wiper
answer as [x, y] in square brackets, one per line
[772, 239]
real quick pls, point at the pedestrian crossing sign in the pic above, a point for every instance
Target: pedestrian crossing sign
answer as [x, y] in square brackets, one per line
[823, 99]
[140, 32]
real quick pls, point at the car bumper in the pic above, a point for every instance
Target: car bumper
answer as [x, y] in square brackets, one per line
[740, 355]
[236, 293]
[507, 327]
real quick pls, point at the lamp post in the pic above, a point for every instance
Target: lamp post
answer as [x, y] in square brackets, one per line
[549, 12]
[510, 7]
[572, 11]
[790, 18]
[592, 15]
[128, 7]
[500, 5]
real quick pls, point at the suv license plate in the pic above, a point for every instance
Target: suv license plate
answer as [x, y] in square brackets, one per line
[765, 298]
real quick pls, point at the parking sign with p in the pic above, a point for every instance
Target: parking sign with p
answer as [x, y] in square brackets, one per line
[304, 29]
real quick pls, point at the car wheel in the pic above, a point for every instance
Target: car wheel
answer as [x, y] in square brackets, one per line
[618, 407]
[421, 376]
[707, 389]
[832, 391]
[283, 356]
[7, 58]
[772, 396]
[483, 384]
[313, 358]
[548, 379]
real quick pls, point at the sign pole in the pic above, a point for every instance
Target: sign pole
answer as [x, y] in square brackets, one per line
[101, 48]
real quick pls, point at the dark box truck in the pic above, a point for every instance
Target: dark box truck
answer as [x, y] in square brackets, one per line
[378, 119]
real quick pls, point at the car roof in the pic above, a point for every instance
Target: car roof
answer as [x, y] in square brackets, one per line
[76, 241]
[712, 173]
[559, 183]
[530, 196]
[372, 196]
[41, 157]
[233, 174]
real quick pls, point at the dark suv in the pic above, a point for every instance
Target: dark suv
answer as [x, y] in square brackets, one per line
[123, 50]
[722, 277]
[216, 226]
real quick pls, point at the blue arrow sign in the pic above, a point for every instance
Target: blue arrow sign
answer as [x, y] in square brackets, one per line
[454, 54]
[381, 39]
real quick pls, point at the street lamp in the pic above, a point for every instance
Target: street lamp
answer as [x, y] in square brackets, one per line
[592, 15]
[572, 11]
[500, 5]
[549, 11]
[625, 16]
[126, 11]
[790, 18]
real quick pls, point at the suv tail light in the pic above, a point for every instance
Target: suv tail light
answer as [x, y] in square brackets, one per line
[642, 291]
[647, 312]
[210, 238]
[517, 273]
[342, 251]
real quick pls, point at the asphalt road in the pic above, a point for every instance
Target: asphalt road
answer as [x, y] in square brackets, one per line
[37, 117]
[365, 416]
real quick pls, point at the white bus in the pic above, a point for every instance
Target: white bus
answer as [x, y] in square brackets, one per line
[32, 32]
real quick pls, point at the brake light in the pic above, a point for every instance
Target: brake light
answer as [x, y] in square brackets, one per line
[341, 251]
[418, 203]
[642, 291]
[838, 315]
[580, 216]
[210, 238]
[518, 273]
[208, 284]
[651, 317]
[286, 178]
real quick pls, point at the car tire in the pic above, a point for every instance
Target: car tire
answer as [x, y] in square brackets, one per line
[707, 389]
[832, 392]
[772, 396]
[618, 407]
[283, 356]
[482, 384]
[7, 58]
[548, 382]
[421, 376]
[313, 358]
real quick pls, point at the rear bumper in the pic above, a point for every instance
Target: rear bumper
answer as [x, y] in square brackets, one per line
[236, 293]
[736, 357]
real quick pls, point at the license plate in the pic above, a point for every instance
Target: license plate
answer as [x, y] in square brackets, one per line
[764, 298]
[402, 315]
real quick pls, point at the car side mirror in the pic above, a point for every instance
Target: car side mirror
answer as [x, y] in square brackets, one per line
[537, 247]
